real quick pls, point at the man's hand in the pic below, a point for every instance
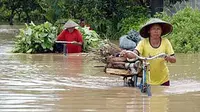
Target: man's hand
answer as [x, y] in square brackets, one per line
[123, 53]
[77, 43]
[74, 42]
[128, 54]
[171, 59]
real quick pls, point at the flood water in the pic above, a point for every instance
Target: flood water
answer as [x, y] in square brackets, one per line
[73, 83]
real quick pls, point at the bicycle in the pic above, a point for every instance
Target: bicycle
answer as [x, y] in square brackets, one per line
[144, 87]
[64, 45]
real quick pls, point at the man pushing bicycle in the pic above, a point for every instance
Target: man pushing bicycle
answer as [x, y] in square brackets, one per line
[153, 44]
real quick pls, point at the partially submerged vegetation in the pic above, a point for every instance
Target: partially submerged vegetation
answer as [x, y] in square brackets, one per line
[41, 38]
[35, 38]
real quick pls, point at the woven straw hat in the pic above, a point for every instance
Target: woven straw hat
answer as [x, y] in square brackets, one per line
[166, 27]
[70, 24]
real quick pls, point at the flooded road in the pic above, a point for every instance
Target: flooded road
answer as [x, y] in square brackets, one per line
[72, 83]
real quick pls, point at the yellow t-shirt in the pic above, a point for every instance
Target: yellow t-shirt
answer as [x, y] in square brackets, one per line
[159, 72]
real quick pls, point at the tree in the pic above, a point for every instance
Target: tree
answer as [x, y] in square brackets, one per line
[20, 6]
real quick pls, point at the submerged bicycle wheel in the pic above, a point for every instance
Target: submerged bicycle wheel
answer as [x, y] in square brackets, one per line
[148, 90]
[143, 89]
[135, 81]
[130, 83]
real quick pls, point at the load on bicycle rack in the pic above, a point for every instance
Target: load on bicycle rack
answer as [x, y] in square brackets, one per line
[135, 70]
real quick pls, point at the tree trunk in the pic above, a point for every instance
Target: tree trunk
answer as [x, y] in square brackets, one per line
[28, 19]
[156, 6]
[19, 16]
[11, 17]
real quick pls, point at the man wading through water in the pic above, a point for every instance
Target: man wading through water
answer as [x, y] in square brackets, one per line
[154, 44]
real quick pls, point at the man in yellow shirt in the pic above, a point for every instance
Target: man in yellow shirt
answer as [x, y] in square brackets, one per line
[153, 44]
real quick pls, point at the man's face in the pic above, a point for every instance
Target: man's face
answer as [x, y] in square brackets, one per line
[71, 29]
[155, 30]
[82, 23]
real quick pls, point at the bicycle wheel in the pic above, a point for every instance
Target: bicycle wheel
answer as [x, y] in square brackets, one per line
[144, 88]
[130, 83]
[135, 80]
[149, 90]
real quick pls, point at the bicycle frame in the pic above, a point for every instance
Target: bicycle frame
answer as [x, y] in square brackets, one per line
[64, 46]
[144, 87]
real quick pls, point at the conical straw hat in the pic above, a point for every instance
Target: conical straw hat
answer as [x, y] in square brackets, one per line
[166, 27]
[70, 24]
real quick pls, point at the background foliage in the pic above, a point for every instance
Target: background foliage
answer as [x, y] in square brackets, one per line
[186, 32]
[110, 19]
[107, 17]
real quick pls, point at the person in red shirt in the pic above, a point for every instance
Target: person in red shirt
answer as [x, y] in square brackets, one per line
[72, 35]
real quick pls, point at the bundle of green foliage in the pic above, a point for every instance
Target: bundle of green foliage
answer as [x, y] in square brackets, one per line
[35, 38]
[185, 37]
[91, 39]
[41, 38]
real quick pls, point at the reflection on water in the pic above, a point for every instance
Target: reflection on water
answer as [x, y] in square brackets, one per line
[55, 83]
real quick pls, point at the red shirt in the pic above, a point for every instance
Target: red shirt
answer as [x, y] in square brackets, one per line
[76, 35]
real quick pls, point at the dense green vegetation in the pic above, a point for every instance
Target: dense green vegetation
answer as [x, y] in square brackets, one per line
[109, 19]
[41, 38]
[36, 38]
[185, 37]
[91, 39]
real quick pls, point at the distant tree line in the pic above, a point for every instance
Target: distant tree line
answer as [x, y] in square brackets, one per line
[107, 17]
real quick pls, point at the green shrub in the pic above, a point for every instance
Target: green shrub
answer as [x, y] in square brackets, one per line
[133, 22]
[41, 38]
[35, 38]
[90, 37]
[186, 34]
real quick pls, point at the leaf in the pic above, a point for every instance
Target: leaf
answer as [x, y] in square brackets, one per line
[42, 35]
[43, 45]
[29, 51]
[28, 31]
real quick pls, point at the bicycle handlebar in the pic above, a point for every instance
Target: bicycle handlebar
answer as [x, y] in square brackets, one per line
[65, 42]
[161, 55]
